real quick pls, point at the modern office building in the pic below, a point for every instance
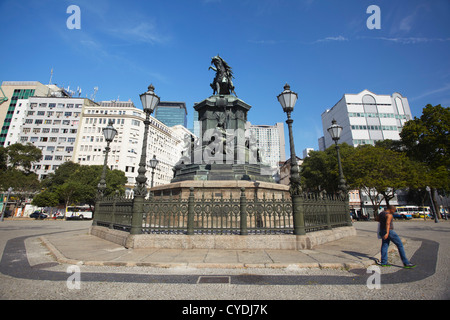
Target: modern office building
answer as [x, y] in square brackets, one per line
[171, 113]
[11, 92]
[270, 141]
[366, 118]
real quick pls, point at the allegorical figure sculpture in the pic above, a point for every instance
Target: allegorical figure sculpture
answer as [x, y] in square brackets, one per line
[222, 83]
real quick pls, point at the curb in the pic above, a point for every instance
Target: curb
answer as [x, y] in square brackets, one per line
[60, 258]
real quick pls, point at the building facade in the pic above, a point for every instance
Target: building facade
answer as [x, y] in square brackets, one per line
[12, 91]
[163, 142]
[270, 141]
[171, 113]
[366, 118]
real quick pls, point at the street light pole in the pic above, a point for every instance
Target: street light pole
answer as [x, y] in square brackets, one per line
[149, 101]
[153, 163]
[335, 132]
[287, 100]
[436, 219]
[109, 133]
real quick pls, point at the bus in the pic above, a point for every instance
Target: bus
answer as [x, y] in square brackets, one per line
[78, 213]
[406, 212]
[423, 212]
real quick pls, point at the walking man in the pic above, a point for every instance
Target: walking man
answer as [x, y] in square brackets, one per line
[387, 235]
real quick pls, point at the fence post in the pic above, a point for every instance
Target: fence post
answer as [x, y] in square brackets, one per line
[137, 214]
[243, 213]
[298, 214]
[327, 200]
[113, 213]
[190, 218]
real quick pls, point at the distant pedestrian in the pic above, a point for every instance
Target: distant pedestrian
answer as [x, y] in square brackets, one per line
[387, 234]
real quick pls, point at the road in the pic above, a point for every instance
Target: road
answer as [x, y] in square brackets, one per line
[29, 272]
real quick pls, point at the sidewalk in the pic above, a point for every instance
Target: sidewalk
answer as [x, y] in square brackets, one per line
[81, 248]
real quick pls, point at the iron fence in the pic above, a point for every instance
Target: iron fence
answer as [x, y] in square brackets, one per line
[223, 215]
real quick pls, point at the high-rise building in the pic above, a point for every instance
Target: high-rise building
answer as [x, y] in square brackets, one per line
[12, 91]
[366, 118]
[172, 113]
[270, 141]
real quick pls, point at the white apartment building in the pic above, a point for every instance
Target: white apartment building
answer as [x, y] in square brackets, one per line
[270, 140]
[163, 141]
[366, 118]
[51, 124]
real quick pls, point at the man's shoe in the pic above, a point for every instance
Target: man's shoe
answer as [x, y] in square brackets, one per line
[409, 266]
[384, 264]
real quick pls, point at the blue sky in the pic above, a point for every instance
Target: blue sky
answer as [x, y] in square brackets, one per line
[322, 48]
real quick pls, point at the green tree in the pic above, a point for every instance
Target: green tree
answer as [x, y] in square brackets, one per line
[75, 184]
[378, 172]
[45, 199]
[23, 156]
[320, 170]
[426, 140]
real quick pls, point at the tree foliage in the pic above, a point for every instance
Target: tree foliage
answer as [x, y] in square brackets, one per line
[72, 183]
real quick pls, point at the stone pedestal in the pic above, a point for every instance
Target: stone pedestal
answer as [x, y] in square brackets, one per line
[224, 151]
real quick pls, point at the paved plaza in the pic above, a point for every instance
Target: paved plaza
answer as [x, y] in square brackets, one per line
[40, 256]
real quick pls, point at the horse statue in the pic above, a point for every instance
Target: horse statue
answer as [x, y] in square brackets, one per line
[222, 83]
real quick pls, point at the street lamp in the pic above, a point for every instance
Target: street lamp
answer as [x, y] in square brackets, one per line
[109, 132]
[335, 132]
[6, 203]
[149, 101]
[436, 219]
[287, 100]
[152, 164]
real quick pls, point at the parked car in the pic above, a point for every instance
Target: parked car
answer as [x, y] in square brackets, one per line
[38, 215]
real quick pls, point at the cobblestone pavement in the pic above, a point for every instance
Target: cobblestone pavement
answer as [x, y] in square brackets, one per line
[29, 271]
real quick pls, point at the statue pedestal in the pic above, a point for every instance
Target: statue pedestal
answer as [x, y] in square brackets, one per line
[223, 151]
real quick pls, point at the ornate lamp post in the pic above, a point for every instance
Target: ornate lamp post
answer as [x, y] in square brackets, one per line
[335, 132]
[287, 100]
[149, 101]
[109, 132]
[153, 163]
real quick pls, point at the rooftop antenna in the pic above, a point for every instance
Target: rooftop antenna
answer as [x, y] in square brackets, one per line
[95, 93]
[79, 91]
[50, 82]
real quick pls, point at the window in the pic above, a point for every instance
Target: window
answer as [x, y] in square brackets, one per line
[23, 139]
[46, 130]
[38, 121]
[69, 149]
[67, 114]
[41, 113]
[48, 158]
[28, 121]
[55, 130]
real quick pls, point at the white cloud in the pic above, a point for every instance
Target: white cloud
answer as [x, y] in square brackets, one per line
[327, 39]
[431, 92]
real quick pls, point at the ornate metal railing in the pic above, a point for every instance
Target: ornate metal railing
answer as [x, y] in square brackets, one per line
[222, 215]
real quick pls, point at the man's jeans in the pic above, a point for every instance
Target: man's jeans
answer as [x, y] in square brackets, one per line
[385, 245]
